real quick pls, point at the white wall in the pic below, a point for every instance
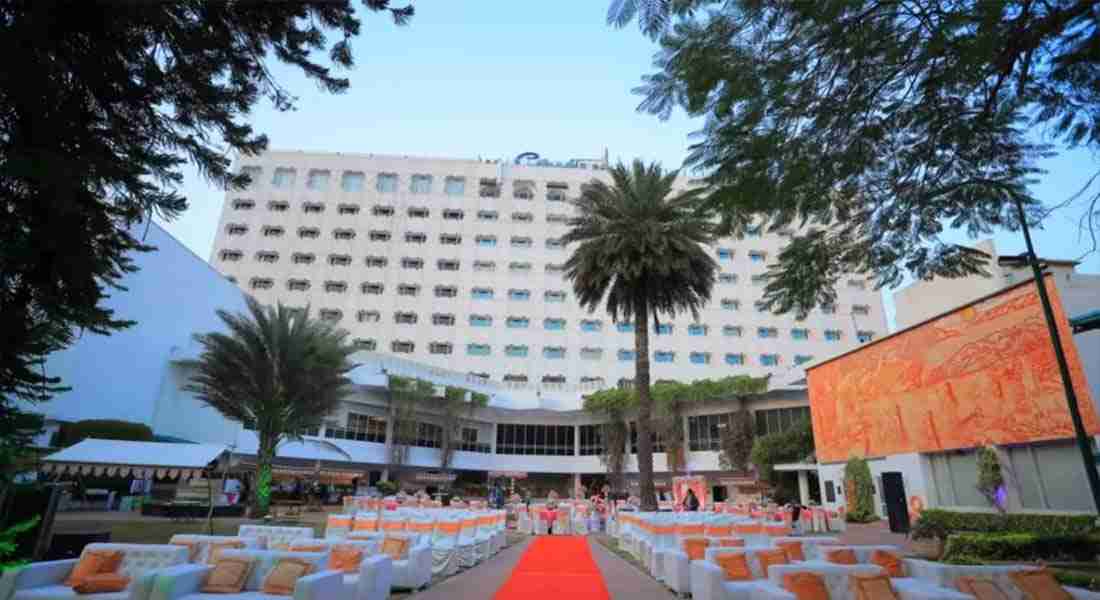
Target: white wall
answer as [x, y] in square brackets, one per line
[911, 466]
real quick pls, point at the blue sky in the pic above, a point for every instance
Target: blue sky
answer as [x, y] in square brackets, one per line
[493, 79]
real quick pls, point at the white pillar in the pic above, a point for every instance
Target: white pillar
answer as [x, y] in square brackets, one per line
[803, 488]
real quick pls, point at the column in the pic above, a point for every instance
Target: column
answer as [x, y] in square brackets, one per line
[576, 440]
[803, 488]
[493, 440]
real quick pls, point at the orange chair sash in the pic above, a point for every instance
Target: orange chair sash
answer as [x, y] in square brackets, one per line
[365, 525]
[393, 525]
[338, 522]
[690, 530]
[719, 531]
[449, 528]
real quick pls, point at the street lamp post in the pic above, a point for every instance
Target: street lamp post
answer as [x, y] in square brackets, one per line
[1083, 442]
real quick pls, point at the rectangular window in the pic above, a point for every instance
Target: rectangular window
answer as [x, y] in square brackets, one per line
[664, 356]
[517, 323]
[253, 174]
[828, 310]
[421, 184]
[521, 242]
[800, 334]
[626, 355]
[700, 358]
[591, 325]
[733, 358]
[865, 336]
[519, 267]
[440, 348]
[516, 351]
[447, 265]
[769, 360]
[283, 178]
[767, 332]
[484, 266]
[318, 181]
[832, 335]
[486, 241]
[360, 427]
[481, 321]
[487, 215]
[482, 293]
[725, 254]
[861, 309]
[858, 284]
[727, 278]
[757, 256]
[591, 354]
[665, 329]
[658, 439]
[443, 319]
[705, 432]
[591, 441]
[759, 279]
[732, 330]
[541, 440]
[553, 352]
[800, 359]
[519, 295]
[523, 190]
[554, 324]
[386, 183]
[730, 304]
[697, 330]
[777, 420]
[428, 435]
[478, 349]
[488, 188]
[454, 186]
[352, 182]
[625, 327]
[554, 296]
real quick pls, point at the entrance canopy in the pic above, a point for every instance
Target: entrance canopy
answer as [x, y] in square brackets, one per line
[141, 459]
[1086, 322]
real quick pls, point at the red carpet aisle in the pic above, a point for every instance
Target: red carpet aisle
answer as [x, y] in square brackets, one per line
[555, 568]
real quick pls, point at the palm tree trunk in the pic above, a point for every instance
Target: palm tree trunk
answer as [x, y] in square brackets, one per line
[646, 492]
[265, 455]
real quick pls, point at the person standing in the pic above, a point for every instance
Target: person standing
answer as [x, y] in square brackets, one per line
[796, 513]
[691, 503]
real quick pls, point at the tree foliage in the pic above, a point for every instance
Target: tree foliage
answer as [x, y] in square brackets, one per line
[412, 400]
[870, 126]
[104, 429]
[277, 370]
[990, 478]
[860, 489]
[793, 445]
[641, 251]
[105, 104]
[737, 438]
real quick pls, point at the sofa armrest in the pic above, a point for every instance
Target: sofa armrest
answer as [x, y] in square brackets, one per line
[421, 559]
[706, 580]
[1082, 593]
[178, 581]
[766, 590]
[39, 574]
[915, 589]
[325, 585]
[375, 578]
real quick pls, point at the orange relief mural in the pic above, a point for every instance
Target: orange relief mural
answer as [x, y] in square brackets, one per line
[983, 374]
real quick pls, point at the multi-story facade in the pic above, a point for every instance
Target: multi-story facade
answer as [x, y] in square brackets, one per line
[458, 264]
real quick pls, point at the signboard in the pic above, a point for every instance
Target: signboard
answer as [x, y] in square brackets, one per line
[435, 477]
[982, 374]
[507, 475]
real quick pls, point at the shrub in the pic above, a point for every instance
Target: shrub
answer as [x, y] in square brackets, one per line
[1020, 547]
[104, 429]
[1088, 581]
[990, 478]
[861, 501]
[939, 523]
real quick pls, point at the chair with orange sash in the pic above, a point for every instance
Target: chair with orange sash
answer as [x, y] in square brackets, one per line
[467, 540]
[445, 540]
[337, 526]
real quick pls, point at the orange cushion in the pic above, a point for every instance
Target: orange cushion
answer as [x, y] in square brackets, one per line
[395, 548]
[806, 586]
[345, 558]
[793, 550]
[283, 577]
[731, 542]
[228, 576]
[94, 562]
[192, 549]
[768, 558]
[843, 556]
[696, 548]
[308, 548]
[1039, 584]
[102, 583]
[871, 587]
[982, 589]
[217, 547]
[735, 566]
[365, 525]
[889, 561]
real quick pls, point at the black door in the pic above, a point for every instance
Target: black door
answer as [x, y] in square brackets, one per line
[897, 508]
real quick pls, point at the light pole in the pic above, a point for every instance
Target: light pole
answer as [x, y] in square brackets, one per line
[1083, 442]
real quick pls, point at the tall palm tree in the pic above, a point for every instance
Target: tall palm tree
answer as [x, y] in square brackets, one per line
[641, 251]
[277, 370]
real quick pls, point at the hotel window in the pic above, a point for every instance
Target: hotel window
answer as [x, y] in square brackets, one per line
[478, 349]
[481, 321]
[553, 324]
[377, 262]
[735, 359]
[253, 174]
[336, 287]
[283, 178]
[861, 309]
[343, 234]
[445, 264]
[297, 285]
[361, 428]
[309, 233]
[697, 330]
[515, 350]
[379, 236]
[453, 214]
[243, 205]
[372, 288]
[523, 190]
[231, 255]
[418, 212]
[591, 325]
[428, 435]
[625, 355]
[446, 291]
[450, 239]
[317, 180]
[362, 344]
[554, 296]
[402, 347]
[555, 379]
[727, 278]
[769, 360]
[381, 210]
[553, 352]
[440, 348]
[588, 353]
[865, 336]
[555, 269]
[347, 209]
[481, 293]
[828, 309]
[624, 327]
[557, 219]
[386, 183]
[760, 306]
[759, 279]
[699, 358]
[331, 315]
[665, 329]
[405, 318]
[802, 358]
[832, 335]
[520, 295]
[352, 182]
[521, 242]
[800, 334]
[368, 316]
[454, 186]
[261, 283]
[415, 237]
[778, 420]
[487, 215]
[272, 231]
[858, 284]
[236, 229]
[339, 260]
[538, 440]
[488, 188]
[443, 319]
[554, 244]
[731, 330]
[515, 378]
[421, 184]
[483, 266]
[555, 192]
[519, 267]
[278, 206]
[730, 304]
[658, 439]
[757, 256]
[767, 332]
[591, 440]
[408, 289]
[705, 432]
[522, 217]
[486, 241]
[664, 356]
[725, 254]
[517, 323]
[412, 263]
[313, 208]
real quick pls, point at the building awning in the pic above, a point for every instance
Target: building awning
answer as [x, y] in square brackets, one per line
[789, 467]
[118, 458]
[1089, 321]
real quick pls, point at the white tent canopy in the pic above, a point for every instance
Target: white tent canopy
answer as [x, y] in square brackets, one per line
[140, 459]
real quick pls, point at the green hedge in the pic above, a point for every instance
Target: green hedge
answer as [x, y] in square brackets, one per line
[964, 548]
[104, 429]
[1089, 581]
[938, 523]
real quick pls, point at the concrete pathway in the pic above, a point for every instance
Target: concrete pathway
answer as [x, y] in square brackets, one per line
[624, 580]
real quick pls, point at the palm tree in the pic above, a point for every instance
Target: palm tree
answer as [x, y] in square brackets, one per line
[276, 370]
[642, 251]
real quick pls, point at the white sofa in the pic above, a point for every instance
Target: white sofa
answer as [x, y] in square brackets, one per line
[185, 581]
[836, 579]
[273, 535]
[45, 580]
[945, 575]
[413, 572]
[708, 580]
